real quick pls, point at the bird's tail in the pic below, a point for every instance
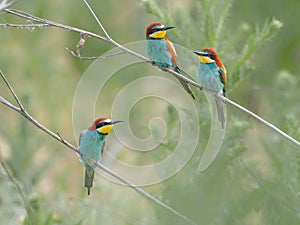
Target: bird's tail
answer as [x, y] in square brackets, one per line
[220, 110]
[184, 84]
[88, 180]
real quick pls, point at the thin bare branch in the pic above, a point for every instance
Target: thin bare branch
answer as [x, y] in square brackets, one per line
[98, 21]
[12, 91]
[63, 140]
[28, 16]
[266, 123]
[4, 4]
[195, 84]
[10, 105]
[93, 57]
[24, 113]
[81, 43]
[26, 26]
[145, 194]
[58, 137]
[14, 182]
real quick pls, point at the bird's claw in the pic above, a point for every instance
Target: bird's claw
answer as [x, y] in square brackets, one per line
[153, 63]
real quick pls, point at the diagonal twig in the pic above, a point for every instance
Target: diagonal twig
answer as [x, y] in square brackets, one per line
[28, 16]
[14, 182]
[24, 113]
[12, 92]
[146, 194]
[96, 18]
[263, 121]
[26, 26]
[116, 44]
[4, 4]
[58, 137]
[93, 57]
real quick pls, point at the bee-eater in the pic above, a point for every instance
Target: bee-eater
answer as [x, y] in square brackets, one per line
[91, 146]
[161, 51]
[212, 75]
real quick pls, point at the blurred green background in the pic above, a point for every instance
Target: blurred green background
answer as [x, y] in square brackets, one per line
[255, 178]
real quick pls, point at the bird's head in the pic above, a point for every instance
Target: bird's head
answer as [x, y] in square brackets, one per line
[157, 30]
[103, 125]
[208, 55]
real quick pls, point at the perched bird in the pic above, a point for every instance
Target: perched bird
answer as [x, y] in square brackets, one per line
[161, 51]
[212, 75]
[91, 146]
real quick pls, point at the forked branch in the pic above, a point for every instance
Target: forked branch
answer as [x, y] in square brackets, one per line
[108, 39]
[21, 110]
[6, 4]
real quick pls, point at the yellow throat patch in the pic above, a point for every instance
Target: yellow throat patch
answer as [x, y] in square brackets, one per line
[105, 129]
[159, 34]
[204, 59]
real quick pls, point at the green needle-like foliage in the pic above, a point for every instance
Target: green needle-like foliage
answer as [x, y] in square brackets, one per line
[262, 190]
[255, 177]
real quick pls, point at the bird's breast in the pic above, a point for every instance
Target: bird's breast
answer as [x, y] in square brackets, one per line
[91, 143]
[157, 51]
[209, 77]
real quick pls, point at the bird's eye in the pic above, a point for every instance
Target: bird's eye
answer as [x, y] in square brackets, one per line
[101, 124]
[211, 56]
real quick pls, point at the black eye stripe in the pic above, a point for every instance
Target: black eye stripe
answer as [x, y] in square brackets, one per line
[153, 30]
[102, 124]
[209, 55]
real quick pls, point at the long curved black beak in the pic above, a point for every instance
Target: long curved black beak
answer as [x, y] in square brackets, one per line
[167, 28]
[200, 53]
[116, 121]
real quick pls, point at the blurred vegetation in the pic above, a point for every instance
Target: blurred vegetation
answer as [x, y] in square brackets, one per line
[255, 178]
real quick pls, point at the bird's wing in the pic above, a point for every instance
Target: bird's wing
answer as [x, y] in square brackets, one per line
[80, 136]
[79, 154]
[172, 51]
[157, 51]
[223, 78]
[103, 148]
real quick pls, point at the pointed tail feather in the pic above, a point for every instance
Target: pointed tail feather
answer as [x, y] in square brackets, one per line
[88, 180]
[186, 87]
[220, 110]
